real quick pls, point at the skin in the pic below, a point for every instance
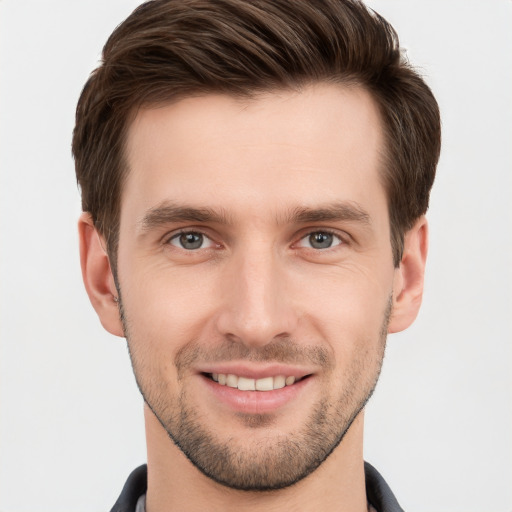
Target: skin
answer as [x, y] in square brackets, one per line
[265, 173]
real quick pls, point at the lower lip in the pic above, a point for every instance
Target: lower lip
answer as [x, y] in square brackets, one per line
[256, 402]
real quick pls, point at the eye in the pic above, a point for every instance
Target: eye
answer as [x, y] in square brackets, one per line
[320, 240]
[190, 241]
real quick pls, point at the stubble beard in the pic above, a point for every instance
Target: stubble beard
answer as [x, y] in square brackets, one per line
[264, 463]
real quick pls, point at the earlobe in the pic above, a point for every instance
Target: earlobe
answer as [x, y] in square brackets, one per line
[409, 277]
[97, 276]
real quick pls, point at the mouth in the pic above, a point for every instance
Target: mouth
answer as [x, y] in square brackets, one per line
[241, 383]
[257, 388]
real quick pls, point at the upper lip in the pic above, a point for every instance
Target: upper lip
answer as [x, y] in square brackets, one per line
[252, 371]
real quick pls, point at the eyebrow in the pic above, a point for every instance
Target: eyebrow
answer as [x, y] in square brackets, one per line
[337, 211]
[167, 213]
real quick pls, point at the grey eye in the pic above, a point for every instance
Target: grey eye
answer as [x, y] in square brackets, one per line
[189, 241]
[321, 240]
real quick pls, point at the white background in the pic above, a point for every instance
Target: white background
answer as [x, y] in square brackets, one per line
[440, 424]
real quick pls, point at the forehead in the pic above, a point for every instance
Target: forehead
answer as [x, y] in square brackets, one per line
[287, 148]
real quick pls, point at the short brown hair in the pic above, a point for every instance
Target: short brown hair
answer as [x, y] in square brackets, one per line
[169, 49]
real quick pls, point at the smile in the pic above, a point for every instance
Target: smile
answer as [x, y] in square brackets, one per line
[247, 384]
[252, 390]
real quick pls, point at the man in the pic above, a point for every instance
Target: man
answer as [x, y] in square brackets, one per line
[254, 181]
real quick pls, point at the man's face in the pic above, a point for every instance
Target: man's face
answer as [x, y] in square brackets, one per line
[255, 253]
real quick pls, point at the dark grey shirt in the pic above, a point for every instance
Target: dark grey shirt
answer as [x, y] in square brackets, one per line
[379, 495]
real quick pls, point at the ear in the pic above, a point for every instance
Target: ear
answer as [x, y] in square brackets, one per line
[409, 276]
[97, 275]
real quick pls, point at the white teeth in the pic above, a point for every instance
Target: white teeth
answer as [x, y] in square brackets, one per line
[231, 380]
[245, 384]
[266, 384]
[279, 382]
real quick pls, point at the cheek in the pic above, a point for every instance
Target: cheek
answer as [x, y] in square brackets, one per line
[349, 312]
[166, 307]
[345, 299]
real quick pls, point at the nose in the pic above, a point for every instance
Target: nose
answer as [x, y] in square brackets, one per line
[257, 306]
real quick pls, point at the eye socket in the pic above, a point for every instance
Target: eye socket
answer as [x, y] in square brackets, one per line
[190, 241]
[320, 240]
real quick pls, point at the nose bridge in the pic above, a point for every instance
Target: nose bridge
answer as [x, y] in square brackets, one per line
[257, 307]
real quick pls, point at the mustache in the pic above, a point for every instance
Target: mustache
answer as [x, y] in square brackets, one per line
[282, 350]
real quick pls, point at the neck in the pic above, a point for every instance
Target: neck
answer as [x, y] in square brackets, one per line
[174, 483]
